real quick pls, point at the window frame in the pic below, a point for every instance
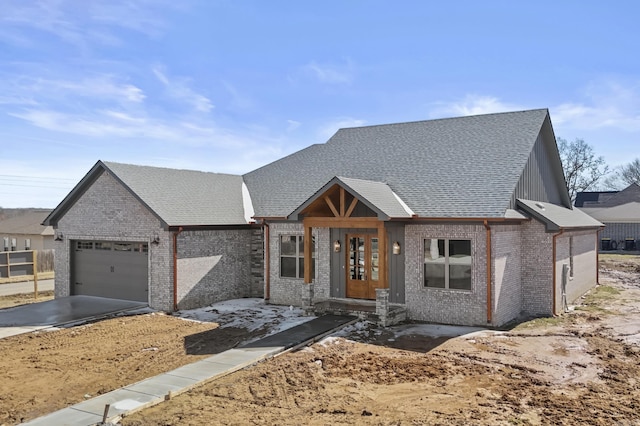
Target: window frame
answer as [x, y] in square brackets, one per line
[447, 264]
[298, 256]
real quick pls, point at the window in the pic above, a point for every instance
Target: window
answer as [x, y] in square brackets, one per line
[27, 244]
[101, 245]
[14, 244]
[84, 245]
[292, 256]
[6, 243]
[447, 264]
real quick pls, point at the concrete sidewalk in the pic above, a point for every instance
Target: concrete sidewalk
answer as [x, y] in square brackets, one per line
[156, 389]
[24, 287]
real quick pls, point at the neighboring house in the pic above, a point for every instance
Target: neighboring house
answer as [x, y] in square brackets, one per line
[619, 211]
[460, 221]
[25, 231]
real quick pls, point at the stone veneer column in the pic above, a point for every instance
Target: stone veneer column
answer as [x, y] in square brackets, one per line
[382, 305]
[307, 297]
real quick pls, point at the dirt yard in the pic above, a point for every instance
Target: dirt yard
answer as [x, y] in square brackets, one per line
[580, 368]
[22, 299]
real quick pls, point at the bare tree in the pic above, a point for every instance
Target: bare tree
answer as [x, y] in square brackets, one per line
[582, 169]
[630, 173]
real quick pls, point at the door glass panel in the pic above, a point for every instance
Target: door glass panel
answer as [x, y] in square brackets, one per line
[356, 258]
[374, 259]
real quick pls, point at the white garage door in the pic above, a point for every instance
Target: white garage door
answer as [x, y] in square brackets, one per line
[118, 270]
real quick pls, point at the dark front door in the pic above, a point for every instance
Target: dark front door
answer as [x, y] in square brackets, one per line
[363, 266]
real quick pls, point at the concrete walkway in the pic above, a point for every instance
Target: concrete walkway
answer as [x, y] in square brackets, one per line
[25, 287]
[156, 389]
[56, 312]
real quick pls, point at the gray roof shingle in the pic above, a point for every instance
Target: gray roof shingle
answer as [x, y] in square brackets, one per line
[557, 217]
[185, 197]
[455, 167]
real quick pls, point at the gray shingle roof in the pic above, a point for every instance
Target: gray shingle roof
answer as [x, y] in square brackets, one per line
[557, 217]
[27, 223]
[456, 167]
[185, 197]
[624, 213]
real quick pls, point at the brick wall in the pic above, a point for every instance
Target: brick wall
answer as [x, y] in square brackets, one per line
[288, 291]
[584, 264]
[506, 273]
[537, 276]
[443, 305]
[214, 265]
[107, 211]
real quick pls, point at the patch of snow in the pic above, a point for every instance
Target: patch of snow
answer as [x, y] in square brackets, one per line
[330, 340]
[250, 314]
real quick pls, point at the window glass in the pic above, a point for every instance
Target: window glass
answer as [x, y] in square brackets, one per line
[122, 247]
[434, 263]
[447, 263]
[288, 245]
[288, 267]
[460, 264]
[292, 256]
[84, 245]
[102, 245]
[27, 244]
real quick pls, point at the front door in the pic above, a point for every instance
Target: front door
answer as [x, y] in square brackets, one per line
[363, 266]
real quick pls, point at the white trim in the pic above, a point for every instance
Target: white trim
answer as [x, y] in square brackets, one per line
[247, 204]
[404, 206]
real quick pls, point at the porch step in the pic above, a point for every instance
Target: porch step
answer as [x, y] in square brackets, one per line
[365, 310]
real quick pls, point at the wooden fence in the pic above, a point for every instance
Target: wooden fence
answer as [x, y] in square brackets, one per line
[25, 262]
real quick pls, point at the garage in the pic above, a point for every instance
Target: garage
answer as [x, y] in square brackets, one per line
[114, 269]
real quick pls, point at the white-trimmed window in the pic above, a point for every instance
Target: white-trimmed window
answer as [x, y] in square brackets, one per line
[27, 244]
[447, 263]
[292, 256]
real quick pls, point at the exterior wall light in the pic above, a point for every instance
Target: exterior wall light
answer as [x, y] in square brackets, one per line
[336, 246]
[58, 236]
[155, 239]
[396, 248]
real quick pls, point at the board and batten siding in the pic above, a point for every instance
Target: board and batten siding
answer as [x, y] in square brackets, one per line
[395, 269]
[537, 181]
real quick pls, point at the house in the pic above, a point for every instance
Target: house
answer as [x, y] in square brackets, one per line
[458, 221]
[619, 211]
[24, 231]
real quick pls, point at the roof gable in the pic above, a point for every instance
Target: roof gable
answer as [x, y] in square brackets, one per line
[176, 197]
[457, 167]
[376, 196]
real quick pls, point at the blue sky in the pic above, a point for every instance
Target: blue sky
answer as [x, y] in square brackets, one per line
[228, 86]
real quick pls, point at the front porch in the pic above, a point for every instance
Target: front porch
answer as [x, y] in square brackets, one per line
[378, 311]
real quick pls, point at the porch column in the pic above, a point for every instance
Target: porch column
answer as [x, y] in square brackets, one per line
[307, 253]
[382, 253]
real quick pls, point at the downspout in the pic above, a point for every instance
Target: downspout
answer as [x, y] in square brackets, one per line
[554, 269]
[267, 262]
[598, 256]
[489, 299]
[175, 268]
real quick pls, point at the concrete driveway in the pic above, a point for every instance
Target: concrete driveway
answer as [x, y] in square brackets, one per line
[35, 316]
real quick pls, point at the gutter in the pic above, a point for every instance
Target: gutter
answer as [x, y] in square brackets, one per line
[554, 268]
[489, 299]
[175, 267]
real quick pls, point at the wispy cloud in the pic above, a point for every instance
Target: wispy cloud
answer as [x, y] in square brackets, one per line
[81, 23]
[604, 104]
[178, 88]
[472, 105]
[329, 129]
[332, 73]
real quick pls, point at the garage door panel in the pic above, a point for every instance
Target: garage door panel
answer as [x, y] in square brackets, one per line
[108, 269]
